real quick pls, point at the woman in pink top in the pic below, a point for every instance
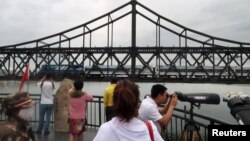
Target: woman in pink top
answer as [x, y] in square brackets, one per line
[77, 110]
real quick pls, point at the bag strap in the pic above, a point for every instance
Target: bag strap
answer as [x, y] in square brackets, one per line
[150, 129]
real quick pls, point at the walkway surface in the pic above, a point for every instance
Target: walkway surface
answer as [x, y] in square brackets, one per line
[89, 135]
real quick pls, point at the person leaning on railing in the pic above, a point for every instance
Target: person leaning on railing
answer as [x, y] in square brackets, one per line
[77, 111]
[125, 125]
[149, 107]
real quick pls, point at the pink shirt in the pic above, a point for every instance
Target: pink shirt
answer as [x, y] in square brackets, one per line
[77, 106]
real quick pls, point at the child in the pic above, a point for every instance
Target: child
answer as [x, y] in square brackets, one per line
[77, 110]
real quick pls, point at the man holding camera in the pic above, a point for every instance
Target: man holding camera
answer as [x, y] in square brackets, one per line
[149, 107]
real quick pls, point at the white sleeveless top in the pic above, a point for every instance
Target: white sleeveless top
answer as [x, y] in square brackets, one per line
[46, 92]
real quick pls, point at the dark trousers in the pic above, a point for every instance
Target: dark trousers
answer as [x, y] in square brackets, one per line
[109, 113]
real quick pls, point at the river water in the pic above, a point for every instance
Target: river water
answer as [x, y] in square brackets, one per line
[221, 111]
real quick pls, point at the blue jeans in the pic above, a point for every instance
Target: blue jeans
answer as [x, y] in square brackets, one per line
[44, 110]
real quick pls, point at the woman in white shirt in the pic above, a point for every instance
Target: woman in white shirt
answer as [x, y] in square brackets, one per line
[46, 103]
[125, 126]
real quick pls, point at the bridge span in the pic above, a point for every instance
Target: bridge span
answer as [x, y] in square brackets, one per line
[178, 53]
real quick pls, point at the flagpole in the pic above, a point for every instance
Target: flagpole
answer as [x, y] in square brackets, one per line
[28, 86]
[28, 78]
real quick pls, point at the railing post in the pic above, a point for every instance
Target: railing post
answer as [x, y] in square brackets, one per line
[100, 111]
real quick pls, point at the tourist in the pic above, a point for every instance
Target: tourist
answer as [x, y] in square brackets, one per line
[18, 108]
[149, 106]
[47, 86]
[77, 110]
[125, 125]
[108, 98]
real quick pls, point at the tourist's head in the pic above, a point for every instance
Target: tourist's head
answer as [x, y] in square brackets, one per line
[18, 104]
[126, 100]
[48, 75]
[113, 80]
[78, 84]
[159, 91]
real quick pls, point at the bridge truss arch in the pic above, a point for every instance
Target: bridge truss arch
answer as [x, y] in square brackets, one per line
[177, 53]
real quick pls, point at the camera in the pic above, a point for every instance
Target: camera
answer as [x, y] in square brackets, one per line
[171, 94]
[200, 98]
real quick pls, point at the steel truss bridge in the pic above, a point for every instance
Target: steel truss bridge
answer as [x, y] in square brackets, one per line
[177, 53]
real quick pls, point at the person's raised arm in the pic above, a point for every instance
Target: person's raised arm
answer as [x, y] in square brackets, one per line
[42, 79]
[89, 97]
[169, 109]
[165, 107]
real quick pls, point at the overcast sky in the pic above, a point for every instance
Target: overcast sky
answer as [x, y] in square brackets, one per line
[24, 20]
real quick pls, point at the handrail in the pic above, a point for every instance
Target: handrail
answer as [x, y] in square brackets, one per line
[96, 116]
[205, 117]
[99, 101]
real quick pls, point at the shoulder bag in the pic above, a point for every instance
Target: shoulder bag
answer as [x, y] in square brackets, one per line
[150, 129]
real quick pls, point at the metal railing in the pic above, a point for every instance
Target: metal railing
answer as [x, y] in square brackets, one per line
[96, 116]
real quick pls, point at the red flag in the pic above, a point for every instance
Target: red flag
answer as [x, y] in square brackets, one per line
[25, 77]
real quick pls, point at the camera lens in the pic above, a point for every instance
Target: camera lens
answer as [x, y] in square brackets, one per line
[171, 93]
